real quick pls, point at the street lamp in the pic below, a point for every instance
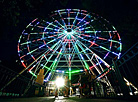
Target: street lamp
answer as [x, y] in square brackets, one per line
[60, 82]
[128, 84]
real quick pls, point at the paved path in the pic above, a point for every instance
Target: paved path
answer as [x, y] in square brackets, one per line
[60, 99]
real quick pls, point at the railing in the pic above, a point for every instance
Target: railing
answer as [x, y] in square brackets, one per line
[18, 86]
[127, 65]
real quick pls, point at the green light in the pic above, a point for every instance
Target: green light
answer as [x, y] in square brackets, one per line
[114, 41]
[120, 47]
[25, 43]
[7, 94]
[33, 74]
[74, 71]
[89, 31]
[114, 28]
[51, 41]
[33, 51]
[33, 33]
[28, 25]
[86, 65]
[53, 64]
[69, 36]
[49, 28]
[55, 45]
[105, 48]
[77, 71]
[87, 27]
[47, 67]
[69, 73]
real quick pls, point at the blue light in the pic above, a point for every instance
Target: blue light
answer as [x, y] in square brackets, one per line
[81, 56]
[48, 77]
[38, 23]
[41, 46]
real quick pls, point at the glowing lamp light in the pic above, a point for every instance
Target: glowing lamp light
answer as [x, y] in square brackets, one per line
[128, 84]
[60, 82]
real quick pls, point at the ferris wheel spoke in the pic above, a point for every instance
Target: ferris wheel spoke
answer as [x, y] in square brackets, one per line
[75, 19]
[76, 50]
[86, 28]
[55, 20]
[72, 55]
[51, 23]
[59, 24]
[83, 49]
[98, 31]
[92, 42]
[54, 40]
[56, 61]
[32, 51]
[85, 39]
[83, 19]
[38, 61]
[96, 55]
[33, 62]
[99, 63]
[82, 25]
[34, 40]
[89, 36]
[51, 32]
[82, 58]
[43, 38]
[84, 64]
[59, 43]
[43, 32]
[35, 67]
[67, 57]
[62, 19]
[59, 36]
[44, 56]
[54, 64]
[44, 66]
[104, 48]
[69, 17]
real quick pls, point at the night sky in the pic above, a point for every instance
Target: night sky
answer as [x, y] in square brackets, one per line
[17, 14]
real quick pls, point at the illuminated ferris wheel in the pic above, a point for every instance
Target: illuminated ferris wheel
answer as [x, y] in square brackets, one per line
[71, 41]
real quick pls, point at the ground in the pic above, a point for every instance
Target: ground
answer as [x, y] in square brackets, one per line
[61, 99]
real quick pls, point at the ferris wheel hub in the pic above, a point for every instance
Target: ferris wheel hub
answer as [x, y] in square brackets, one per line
[69, 33]
[69, 30]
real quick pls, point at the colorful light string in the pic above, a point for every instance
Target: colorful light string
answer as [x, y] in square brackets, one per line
[70, 35]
